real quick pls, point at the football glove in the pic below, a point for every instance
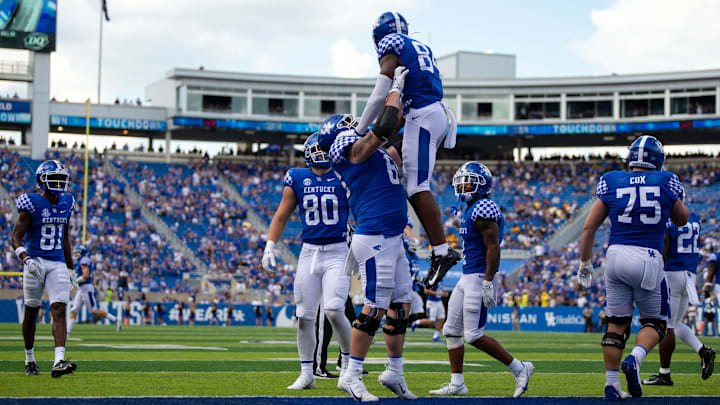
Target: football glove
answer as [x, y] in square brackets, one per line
[584, 273]
[74, 280]
[268, 260]
[33, 268]
[488, 294]
[399, 79]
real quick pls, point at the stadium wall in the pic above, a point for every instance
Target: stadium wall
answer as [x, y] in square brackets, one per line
[532, 319]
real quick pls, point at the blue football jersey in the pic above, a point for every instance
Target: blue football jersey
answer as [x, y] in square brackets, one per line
[376, 197]
[422, 83]
[45, 236]
[639, 205]
[322, 205]
[84, 261]
[474, 249]
[683, 252]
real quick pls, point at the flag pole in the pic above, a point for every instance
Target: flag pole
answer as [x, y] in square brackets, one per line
[87, 158]
[102, 10]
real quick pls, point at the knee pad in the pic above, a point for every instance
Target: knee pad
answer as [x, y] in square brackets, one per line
[656, 324]
[454, 342]
[367, 323]
[399, 324]
[607, 337]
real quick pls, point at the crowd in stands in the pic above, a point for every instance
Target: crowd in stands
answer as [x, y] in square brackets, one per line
[536, 198]
[128, 252]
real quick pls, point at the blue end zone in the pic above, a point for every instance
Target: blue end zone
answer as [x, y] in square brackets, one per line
[348, 400]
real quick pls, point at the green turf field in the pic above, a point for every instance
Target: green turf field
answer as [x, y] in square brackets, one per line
[240, 361]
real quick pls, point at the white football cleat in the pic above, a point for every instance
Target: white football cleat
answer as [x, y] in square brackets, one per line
[450, 389]
[303, 383]
[522, 378]
[355, 387]
[396, 383]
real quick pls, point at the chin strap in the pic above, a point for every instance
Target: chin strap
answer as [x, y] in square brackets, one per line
[459, 209]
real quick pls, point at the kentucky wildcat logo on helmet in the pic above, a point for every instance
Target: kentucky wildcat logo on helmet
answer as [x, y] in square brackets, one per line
[314, 157]
[389, 23]
[51, 176]
[332, 127]
[646, 152]
[477, 175]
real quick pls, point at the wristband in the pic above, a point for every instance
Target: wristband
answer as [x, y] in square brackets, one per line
[269, 245]
[20, 250]
[79, 279]
[707, 285]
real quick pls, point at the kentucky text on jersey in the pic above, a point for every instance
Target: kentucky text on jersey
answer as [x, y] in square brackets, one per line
[422, 84]
[639, 205]
[683, 252]
[322, 205]
[474, 249]
[47, 230]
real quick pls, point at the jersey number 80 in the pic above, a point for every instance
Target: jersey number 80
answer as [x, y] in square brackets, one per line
[328, 207]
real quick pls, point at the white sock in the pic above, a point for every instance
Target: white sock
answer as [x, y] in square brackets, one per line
[436, 334]
[344, 360]
[306, 345]
[686, 335]
[515, 366]
[29, 355]
[355, 366]
[416, 322]
[59, 354]
[70, 324]
[639, 352]
[440, 250]
[306, 368]
[457, 379]
[612, 377]
[110, 317]
[664, 370]
[395, 364]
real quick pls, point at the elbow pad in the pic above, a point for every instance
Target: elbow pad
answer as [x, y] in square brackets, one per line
[386, 123]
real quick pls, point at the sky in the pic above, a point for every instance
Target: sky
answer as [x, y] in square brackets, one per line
[146, 38]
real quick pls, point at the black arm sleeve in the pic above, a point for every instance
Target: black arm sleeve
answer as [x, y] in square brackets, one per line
[386, 123]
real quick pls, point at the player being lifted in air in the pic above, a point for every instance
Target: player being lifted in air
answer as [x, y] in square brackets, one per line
[86, 291]
[42, 243]
[638, 203]
[378, 204]
[323, 206]
[481, 228]
[428, 121]
[682, 257]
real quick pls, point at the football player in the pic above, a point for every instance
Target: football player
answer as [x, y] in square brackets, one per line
[427, 122]
[378, 203]
[86, 294]
[638, 203]
[41, 241]
[435, 312]
[323, 206]
[681, 259]
[481, 228]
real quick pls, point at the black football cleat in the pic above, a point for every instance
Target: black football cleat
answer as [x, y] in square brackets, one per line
[63, 367]
[31, 369]
[658, 379]
[439, 266]
[324, 375]
[707, 356]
